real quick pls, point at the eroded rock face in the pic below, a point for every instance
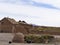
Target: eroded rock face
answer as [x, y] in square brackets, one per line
[18, 38]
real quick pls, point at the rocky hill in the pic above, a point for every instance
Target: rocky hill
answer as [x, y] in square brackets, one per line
[35, 29]
[8, 25]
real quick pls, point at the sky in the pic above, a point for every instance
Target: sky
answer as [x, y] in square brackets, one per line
[39, 12]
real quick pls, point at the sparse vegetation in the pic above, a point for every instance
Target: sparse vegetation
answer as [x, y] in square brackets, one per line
[38, 39]
[48, 28]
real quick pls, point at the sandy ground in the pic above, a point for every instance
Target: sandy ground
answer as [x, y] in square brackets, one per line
[6, 43]
[31, 44]
[5, 37]
[3, 43]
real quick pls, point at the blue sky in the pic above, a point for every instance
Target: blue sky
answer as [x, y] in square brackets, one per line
[39, 12]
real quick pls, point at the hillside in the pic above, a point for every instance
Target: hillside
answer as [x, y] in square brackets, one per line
[48, 30]
[9, 25]
[35, 29]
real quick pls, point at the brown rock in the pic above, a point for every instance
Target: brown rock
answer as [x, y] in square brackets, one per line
[18, 38]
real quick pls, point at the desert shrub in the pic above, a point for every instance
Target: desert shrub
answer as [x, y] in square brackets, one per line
[38, 39]
[29, 38]
[47, 38]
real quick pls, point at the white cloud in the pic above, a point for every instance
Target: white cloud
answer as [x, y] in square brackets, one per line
[55, 3]
[44, 1]
[45, 16]
[52, 2]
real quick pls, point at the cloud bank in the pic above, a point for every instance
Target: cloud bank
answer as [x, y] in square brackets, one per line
[38, 12]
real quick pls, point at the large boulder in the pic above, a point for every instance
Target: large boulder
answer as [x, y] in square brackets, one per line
[18, 38]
